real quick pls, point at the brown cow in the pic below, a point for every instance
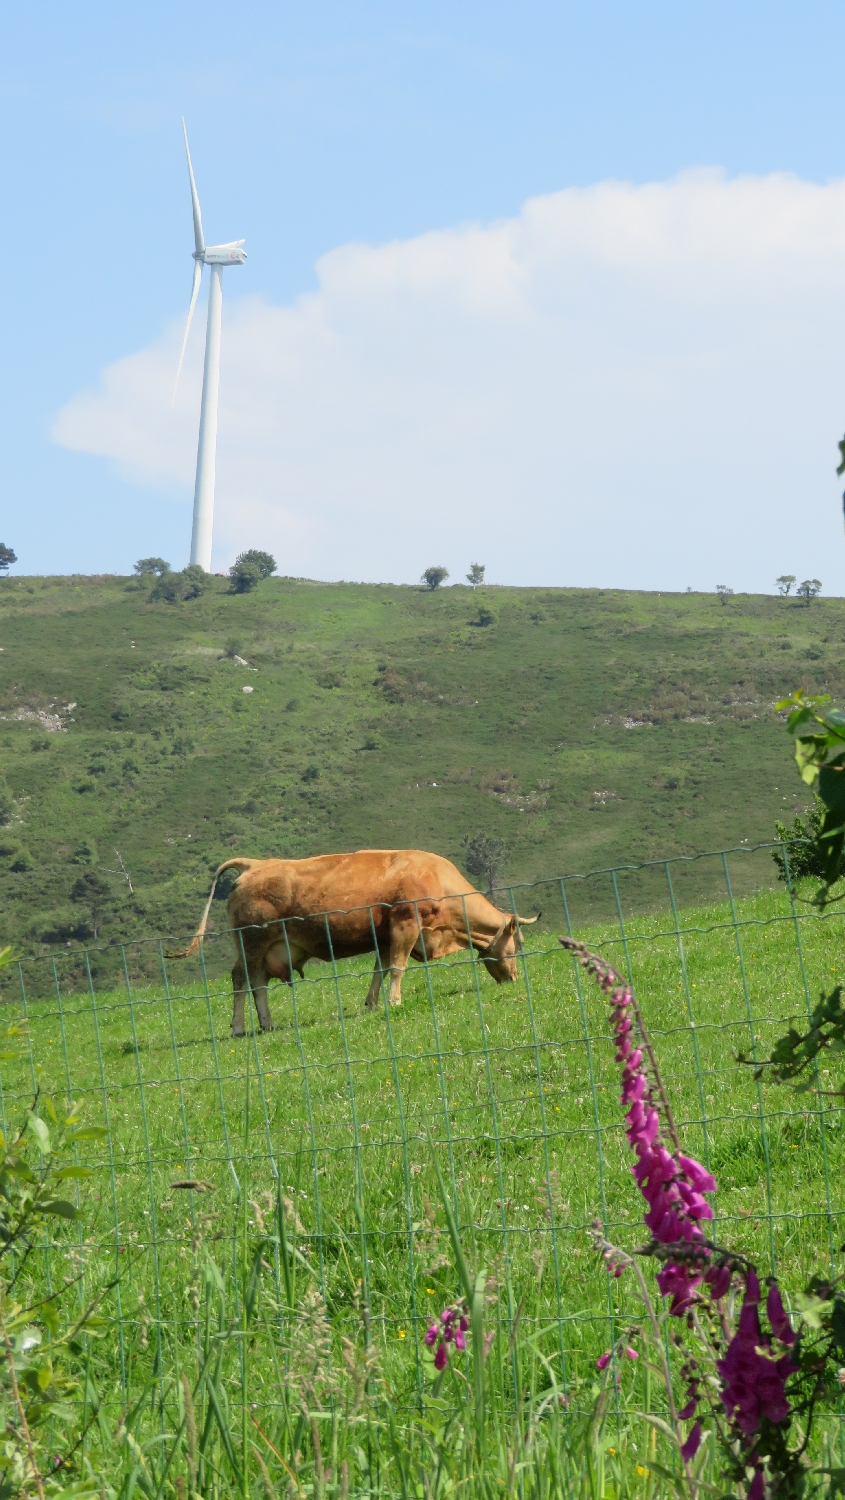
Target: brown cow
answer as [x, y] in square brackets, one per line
[396, 903]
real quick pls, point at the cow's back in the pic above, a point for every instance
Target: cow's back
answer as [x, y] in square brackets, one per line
[349, 895]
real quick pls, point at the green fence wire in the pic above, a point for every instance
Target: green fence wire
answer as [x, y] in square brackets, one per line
[333, 1111]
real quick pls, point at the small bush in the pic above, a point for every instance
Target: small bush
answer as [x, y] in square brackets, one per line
[22, 862]
[244, 576]
[292, 705]
[484, 855]
[311, 773]
[151, 567]
[483, 617]
[175, 588]
[805, 859]
[263, 561]
[433, 577]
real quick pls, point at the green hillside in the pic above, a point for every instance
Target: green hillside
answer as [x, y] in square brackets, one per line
[585, 727]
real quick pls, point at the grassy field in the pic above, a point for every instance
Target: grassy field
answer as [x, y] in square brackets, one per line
[518, 1089]
[587, 728]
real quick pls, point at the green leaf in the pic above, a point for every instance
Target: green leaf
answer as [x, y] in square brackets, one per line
[88, 1133]
[36, 1127]
[58, 1206]
[50, 1317]
[812, 1309]
[64, 1172]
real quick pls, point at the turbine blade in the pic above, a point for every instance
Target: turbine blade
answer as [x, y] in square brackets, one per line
[195, 202]
[194, 294]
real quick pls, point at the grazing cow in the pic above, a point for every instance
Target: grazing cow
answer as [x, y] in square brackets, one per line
[396, 903]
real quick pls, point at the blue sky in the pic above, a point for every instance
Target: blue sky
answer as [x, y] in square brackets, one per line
[316, 126]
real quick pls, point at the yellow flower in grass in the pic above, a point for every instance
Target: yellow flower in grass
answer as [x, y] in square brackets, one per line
[403, 1333]
[642, 1470]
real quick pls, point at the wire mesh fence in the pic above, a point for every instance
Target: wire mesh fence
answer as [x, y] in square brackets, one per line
[336, 1113]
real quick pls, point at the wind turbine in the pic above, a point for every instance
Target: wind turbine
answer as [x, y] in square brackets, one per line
[215, 257]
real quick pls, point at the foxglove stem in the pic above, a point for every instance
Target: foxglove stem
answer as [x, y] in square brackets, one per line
[582, 952]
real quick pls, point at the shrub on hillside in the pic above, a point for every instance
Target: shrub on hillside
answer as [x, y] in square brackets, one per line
[484, 616]
[803, 854]
[484, 856]
[244, 577]
[264, 561]
[93, 894]
[151, 567]
[174, 588]
[7, 557]
[433, 577]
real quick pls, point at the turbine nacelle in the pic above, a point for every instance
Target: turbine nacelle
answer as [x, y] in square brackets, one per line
[232, 254]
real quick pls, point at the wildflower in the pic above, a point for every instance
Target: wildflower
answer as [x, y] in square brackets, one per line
[450, 1330]
[672, 1184]
[403, 1334]
[692, 1444]
[752, 1383]
[603, 1361]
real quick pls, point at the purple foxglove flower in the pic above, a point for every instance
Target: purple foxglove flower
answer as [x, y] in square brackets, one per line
[431, 1335]
[718, 1279]
[692, 1444]
[464, 1325]
[687, 1411]
[777, 1316]
[631, 1353]
[753, 1387]
[441, 1357]
[603, 1361]
[448, 1316]
[757, 1487]
[460, 1340]
[448, 1333]
[698, 1175]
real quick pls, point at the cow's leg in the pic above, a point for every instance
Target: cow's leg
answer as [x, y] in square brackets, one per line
[239, 987]
[403, 938]
[258, 984]
[374, 991]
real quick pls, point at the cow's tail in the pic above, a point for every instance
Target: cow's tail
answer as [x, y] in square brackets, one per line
[194, 945]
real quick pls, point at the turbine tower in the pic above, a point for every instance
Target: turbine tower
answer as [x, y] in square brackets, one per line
[215, 257]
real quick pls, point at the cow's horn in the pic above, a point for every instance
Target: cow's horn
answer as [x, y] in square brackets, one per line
[528, 921]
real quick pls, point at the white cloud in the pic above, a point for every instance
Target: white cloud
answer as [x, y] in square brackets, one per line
[633, 386]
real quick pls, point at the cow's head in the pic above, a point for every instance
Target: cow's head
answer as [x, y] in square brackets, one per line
[499, 958]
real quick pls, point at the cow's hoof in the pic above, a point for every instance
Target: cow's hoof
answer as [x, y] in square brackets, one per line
[397, 1001]
[271, 1027]
[238, 1035]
